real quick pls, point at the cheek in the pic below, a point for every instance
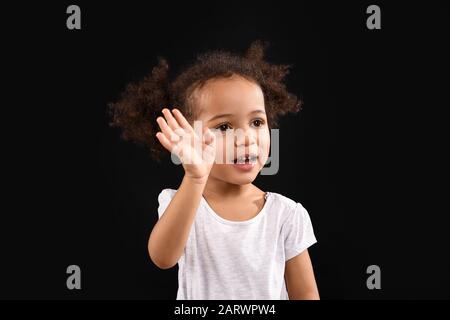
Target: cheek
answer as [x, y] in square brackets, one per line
[264, 142]
[224, 149]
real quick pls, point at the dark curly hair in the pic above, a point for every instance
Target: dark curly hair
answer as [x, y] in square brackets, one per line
[142, 102]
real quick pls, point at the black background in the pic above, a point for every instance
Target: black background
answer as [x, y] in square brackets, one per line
[365, 156]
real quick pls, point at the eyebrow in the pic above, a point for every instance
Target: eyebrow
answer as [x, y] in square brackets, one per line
[229, 114]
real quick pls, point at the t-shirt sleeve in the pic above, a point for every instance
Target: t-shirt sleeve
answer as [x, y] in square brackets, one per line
[298, 232]
[164, 199]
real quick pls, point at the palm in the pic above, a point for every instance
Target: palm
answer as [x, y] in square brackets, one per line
[196, 151]
[196, 157]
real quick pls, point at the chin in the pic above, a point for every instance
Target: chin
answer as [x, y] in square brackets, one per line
[233, 176]
[243, 179]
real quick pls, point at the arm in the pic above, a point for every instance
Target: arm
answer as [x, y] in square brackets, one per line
[299, 276]
[169, 236]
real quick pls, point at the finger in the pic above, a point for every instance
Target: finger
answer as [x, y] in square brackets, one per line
[164, 141]
[182, 120]
[180, 131]
[168, 132]
[209, 137]
[171, 121]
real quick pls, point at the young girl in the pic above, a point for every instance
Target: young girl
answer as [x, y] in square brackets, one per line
[230, 239]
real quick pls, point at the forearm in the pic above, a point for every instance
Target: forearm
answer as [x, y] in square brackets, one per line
[307, 295]
[169, 236]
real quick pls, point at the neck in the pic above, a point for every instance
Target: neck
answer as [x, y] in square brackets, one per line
[219, 188]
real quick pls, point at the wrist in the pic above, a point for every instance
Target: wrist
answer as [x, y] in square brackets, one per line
[195, 181]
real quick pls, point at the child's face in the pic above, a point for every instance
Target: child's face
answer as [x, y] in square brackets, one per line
[235, 106]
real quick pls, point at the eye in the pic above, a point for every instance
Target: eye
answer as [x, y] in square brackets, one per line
[223, 127]
[258, 122]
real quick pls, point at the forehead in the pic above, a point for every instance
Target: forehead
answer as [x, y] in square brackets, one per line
[234, 95]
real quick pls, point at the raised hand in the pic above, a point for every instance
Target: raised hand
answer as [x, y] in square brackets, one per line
[196, 150]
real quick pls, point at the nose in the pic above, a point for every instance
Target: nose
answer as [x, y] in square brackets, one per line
[245, 138]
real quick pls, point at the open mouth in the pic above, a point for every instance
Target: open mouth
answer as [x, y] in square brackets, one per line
[246, 159]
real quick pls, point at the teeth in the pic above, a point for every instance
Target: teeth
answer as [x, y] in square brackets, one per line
[243, 159]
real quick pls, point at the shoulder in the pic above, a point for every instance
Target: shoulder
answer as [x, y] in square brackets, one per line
[284, 206]
[164, 198]
[166, 194]
[283, 202]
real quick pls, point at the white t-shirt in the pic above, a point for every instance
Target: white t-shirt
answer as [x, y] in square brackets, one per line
[241, 260]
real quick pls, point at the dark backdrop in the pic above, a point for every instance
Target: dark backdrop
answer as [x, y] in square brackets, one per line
[363, 156]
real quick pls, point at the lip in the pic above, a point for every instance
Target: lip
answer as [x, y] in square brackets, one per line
[246, 166]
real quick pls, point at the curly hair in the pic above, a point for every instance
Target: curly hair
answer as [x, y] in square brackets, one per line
[142, 102]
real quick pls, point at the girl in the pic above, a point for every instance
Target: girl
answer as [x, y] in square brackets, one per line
[230, 239]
